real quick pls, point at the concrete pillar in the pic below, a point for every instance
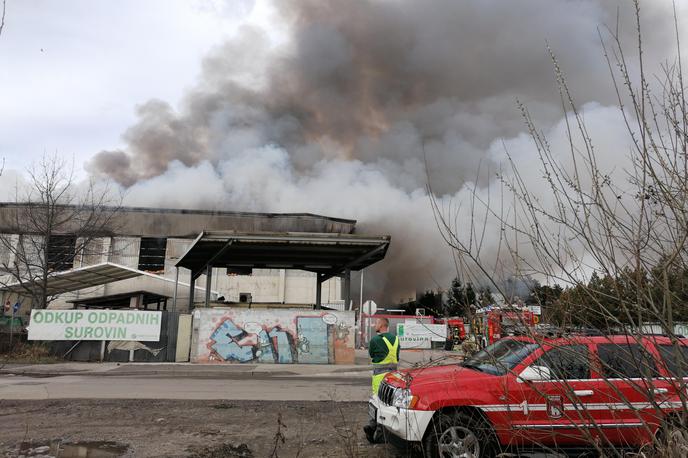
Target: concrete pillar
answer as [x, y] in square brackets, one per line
[318, 291]
[347, 288]
[282, 287]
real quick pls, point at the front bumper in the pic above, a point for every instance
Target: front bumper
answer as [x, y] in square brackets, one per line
[406, 424]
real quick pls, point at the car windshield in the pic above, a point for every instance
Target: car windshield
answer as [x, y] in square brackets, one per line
[501, 356]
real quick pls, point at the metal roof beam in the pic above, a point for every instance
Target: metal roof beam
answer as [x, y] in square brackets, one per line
[209, 264]
[365, 257]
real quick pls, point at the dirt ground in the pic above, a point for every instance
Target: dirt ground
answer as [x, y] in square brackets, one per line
[186, 429]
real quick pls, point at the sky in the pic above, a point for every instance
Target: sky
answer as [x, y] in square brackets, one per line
[347, 108]
[72, 72]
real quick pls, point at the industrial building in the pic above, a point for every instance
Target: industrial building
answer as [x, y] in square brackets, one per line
[224, 286]
[153, 240]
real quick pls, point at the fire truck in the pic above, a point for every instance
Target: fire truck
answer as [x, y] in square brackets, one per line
[456, 331]
[494, 322]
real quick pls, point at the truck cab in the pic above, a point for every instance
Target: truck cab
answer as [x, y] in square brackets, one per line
[523, 393]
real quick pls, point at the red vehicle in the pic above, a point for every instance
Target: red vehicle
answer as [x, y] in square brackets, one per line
[492, 323]
[519, 393]
[456, 331]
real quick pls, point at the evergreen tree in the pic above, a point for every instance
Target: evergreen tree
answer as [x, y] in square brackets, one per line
[485, 297]
[460, 299]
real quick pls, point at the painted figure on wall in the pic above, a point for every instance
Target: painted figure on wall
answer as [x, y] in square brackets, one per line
[233, 343]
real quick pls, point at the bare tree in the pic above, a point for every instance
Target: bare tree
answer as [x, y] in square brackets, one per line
[53, 221]
[2, 15]
[616, 239]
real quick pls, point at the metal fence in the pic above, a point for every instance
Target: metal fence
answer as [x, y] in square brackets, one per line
[164, 350]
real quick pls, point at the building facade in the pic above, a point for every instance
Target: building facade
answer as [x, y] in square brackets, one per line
[152, 241]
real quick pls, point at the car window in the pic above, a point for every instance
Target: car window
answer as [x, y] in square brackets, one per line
[501, 356]
[675, 358]
[566, 362]
[626, 361]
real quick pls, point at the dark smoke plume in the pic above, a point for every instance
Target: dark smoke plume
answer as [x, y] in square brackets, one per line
[340, 118]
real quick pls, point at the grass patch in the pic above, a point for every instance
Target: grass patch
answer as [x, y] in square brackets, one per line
[224, 406]
[29, 353]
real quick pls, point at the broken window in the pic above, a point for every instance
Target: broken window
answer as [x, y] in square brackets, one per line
[232, 271]
[152, 254]
[61, 250]
[93, 251]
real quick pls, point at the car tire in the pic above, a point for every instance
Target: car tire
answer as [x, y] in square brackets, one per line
[460, 434]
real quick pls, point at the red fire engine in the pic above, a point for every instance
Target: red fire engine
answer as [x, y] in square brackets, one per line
[494, 322]
[456, 331]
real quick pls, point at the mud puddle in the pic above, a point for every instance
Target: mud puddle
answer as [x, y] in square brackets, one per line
[84, 449]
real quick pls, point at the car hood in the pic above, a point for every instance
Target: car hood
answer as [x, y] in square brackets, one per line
[421, 377]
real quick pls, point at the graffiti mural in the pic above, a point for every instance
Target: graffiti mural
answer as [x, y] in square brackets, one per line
[273, 336]
[314, 340]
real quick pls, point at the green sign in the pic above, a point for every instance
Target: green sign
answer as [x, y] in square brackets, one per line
[95, 325]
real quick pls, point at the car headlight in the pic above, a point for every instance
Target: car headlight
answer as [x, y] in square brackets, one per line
[404, 399]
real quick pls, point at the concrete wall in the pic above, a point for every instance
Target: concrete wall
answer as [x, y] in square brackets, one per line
[183, 339]
[272, 336]
[275, 285]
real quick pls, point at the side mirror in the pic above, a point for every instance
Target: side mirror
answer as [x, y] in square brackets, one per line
[534, 374]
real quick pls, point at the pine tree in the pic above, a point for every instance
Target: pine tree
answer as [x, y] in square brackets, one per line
[460, 298]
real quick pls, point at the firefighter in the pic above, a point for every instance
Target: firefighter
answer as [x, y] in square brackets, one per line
[384, 354]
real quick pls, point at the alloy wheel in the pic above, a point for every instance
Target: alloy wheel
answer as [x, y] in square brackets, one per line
[459, 442]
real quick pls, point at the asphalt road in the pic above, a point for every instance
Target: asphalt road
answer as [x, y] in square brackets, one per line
[270, 382]
[292, 388]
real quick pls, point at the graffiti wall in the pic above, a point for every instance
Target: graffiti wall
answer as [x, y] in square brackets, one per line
[272, 336]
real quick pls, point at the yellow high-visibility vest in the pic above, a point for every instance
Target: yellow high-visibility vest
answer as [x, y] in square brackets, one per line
[387, 365]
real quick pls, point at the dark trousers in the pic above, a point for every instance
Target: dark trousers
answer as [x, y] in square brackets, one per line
[374, 432]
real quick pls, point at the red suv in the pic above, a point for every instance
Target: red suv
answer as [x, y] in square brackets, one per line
[522, 393]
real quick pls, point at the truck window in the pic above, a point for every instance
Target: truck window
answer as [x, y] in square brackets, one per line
[567, 362]
[675, 358]
[626, 361]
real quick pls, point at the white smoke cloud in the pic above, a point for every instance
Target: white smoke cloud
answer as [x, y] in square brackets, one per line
[341, 117]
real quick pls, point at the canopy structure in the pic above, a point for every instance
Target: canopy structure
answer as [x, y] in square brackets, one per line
[135, 299]
[326, 254]
[76, 279]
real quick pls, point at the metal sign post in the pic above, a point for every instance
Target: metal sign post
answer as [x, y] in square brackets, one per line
[360, 313]
[369, 308]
